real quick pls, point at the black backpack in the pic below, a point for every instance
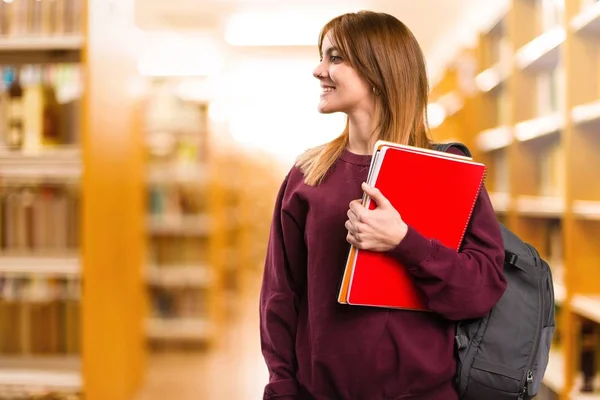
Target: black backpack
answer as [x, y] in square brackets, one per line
[505, 354]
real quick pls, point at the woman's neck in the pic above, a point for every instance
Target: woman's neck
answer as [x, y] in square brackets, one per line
[360, 133]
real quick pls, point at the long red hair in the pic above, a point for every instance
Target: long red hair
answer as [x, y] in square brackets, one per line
[385, 53]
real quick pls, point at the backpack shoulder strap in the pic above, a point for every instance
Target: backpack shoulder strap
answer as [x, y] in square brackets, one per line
[445, 146]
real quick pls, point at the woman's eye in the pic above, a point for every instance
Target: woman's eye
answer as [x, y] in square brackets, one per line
[336, 58]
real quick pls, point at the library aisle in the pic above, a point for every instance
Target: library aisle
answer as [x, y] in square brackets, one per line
[234, 369]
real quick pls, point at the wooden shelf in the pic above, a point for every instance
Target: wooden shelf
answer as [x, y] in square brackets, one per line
[39, 50]
[539, 206]
[177, 174]
[585, 396]
[51, 43]
[541, 53]
[180, 225]
[452, 102]
[40, 373]
[500, 201]
[53, 163]
[560, 291]
[587, 306]
[577, 395]
[554, 377]
[539, 127]
[586, 209]
[588, 20]
[178, 329]
[492, 78]
[177, 276]
[586, 113]
[494, 138]
[40, 266]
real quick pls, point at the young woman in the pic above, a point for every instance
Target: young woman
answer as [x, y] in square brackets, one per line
[373, 70]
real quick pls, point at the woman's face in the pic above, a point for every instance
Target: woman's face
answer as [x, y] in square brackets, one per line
[343, 90]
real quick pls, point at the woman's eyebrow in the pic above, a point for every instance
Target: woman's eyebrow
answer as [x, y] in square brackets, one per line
[330, 50]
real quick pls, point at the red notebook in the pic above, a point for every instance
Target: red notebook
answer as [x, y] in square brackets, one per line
[435, 193]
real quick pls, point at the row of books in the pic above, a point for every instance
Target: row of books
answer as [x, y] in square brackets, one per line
[500, 172]
[40, 106]
[554, 243]
[165, 250]
[166, 110]
[549, 170]
[549, 14]
[178, 303]
[178, 250]
[548, 100]
[20, 18]
[180, 150]
[500, 50]
[18, 393]
[176, 200]
[590, 352]
[178, 204]
[550, 90]
[39, 289]
[587, 367]
[40, 328]
[502, 107]
[66, 78]
[38, 219]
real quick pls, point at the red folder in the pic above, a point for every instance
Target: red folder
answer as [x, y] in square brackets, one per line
[435, 193]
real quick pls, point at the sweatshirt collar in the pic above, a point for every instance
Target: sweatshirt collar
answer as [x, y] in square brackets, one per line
[357, 159]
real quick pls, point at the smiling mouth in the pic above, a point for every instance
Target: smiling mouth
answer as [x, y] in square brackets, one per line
[328, 89]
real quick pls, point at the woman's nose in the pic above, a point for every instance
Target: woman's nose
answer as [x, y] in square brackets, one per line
[318, 73]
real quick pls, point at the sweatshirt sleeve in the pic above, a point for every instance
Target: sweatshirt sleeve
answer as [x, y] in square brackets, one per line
[279, 298]
[464, 284]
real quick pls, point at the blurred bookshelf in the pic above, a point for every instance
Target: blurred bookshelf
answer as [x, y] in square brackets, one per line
[51, 62]
[534, 120]
[209, 204]
[182, 273]
[40, 170]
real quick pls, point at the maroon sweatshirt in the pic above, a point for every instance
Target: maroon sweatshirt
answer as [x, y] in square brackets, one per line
[316, 348]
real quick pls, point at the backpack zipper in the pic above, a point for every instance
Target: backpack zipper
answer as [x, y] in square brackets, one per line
[529, 381]
[536, 344]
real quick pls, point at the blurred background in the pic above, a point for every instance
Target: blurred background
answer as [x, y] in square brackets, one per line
[142, 144]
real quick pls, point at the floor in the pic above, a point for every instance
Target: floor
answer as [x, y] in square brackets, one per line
[234, 370]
